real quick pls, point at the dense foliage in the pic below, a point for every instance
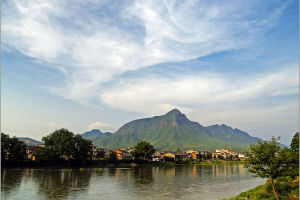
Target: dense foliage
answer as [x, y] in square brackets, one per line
[63, 144]
[12, 149]
[113, 156]
[143, 150]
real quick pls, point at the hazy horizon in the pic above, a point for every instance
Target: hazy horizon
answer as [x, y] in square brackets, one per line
[100, 64]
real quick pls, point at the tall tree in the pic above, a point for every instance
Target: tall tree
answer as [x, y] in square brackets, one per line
[293, 164]
[82, 149]
[264, 161]
[63, 143]
[12, 149]
[143, 150]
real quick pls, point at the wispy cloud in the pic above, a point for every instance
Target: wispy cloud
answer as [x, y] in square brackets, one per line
[91, 48]
[157, 94]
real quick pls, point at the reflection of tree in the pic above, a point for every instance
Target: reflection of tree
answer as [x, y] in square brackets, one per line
[57, 184]
[10, 180]
[142, 175]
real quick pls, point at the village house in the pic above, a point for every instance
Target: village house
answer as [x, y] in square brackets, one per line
[157, 156]
[241, 156]
[192, 154]
[126, 154]
[119, 154]
[31, 152]
[216, 154]
[169, 156]
[181, 155]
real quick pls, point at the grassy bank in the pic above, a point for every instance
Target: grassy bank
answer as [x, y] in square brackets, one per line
[287, 188]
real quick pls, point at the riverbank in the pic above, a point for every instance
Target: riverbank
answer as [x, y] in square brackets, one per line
[287, 188]
[107, 163]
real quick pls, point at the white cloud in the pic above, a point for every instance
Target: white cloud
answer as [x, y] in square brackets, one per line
[101, 126]
[91, 50]
[160, 94]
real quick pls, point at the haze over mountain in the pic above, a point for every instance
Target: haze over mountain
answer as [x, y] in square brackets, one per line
[172, 131]
[29, 141]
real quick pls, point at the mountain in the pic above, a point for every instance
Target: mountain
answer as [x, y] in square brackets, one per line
[172, 131]
[95, 135]
[29, 141]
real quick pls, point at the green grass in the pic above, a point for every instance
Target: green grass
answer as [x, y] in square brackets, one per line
[286, 188]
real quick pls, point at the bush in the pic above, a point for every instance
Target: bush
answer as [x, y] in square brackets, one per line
[283, 185]
[295, 182]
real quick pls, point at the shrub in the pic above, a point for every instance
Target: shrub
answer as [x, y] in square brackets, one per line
[283, 185]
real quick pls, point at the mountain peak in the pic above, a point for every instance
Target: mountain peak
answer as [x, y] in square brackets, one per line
[176, 117]
[175, 111]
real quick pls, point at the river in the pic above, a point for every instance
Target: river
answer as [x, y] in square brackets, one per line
[205, 182]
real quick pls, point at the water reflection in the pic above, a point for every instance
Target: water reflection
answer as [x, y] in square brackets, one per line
[11, 180]
[175, 182]
[57, 184]
[142, 175]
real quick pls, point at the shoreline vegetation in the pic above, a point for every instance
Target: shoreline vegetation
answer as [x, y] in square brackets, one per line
[279, 165]
[288, 189]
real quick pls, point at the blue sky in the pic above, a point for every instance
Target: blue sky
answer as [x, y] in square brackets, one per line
[99, 64]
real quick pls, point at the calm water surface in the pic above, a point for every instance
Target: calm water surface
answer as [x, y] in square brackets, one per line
[176, 182]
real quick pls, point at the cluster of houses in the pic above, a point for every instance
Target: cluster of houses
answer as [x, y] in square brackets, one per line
[127, 153]
[227, 154]
[31, 151]
[198, 155]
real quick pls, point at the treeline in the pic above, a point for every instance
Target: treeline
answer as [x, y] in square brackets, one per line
[61, 145]
[65, 147]
[12, 149]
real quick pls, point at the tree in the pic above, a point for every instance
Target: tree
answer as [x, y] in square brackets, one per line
[220, 156]
[4, 146]
[208, 155]
[143, 150]
[100, 153]
[82, 148]
[112, 156]
[295, 143]
[47, 153]
[12, 149]
[264, 161]
[290, 157]
[200, 156]
[64, 144]
[295, 155]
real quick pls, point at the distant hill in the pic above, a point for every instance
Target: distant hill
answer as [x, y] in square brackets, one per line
[172, 131]
[29, 141]
[95, 135]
